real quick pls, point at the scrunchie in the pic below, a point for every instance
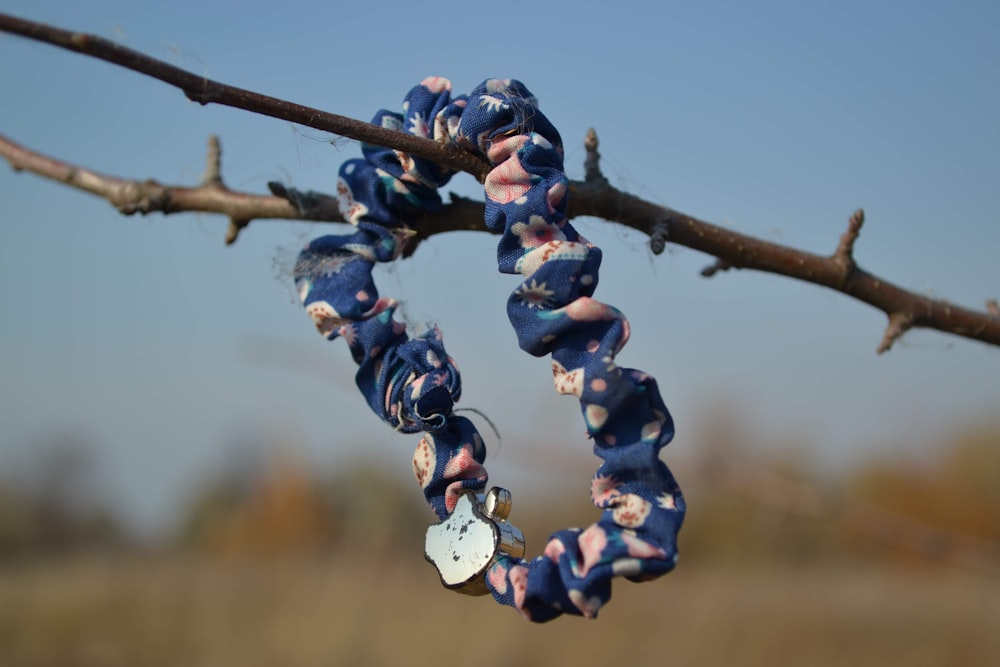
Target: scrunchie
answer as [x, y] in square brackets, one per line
[412, 384]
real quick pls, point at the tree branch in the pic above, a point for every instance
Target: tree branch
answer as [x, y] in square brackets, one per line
[591, 197]
[205, 91]
[132, 196]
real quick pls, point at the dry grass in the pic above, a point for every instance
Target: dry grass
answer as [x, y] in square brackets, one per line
[177, 611]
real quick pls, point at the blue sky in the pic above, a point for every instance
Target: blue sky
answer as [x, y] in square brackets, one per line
[168, 351]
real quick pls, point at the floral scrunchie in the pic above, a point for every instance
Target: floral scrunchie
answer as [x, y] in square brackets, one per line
[412, 384]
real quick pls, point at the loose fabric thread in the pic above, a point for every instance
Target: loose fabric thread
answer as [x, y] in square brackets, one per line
[413, 385]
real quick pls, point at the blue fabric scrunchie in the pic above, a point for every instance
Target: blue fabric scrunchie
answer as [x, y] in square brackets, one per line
[412, 384]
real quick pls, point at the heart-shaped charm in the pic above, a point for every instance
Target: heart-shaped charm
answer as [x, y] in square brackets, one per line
[463, 546]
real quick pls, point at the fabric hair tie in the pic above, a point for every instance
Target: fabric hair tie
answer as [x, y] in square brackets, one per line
[413, 385]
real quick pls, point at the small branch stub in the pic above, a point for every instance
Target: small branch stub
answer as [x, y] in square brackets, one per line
[236, 225]
[213, 180]
[899, 323]
[716, 267]
[592, 163]
[844, 254]
[659, 236]
[213, 164]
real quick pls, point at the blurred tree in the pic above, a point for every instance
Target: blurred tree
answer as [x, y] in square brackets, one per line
[51, 504]
[274, 505]
[277, 509]
[951, 501]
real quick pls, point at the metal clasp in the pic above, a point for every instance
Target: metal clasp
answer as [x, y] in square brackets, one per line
[468, 542]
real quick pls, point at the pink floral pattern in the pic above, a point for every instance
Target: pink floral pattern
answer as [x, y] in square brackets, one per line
[536, 233]
[512, 181]
[592, 542]
[588, 606]
[554, 549]
[424, 462]
[604, 489]
[326, 319]
[463, 465]
[631, 510]
[567, 382]
[639, 548]
[534, 294]
[497, 576]
[519, 581]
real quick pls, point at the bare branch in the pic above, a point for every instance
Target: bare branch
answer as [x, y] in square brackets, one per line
[592, 197]
[747, 252]
[131, 196]
[205, 91]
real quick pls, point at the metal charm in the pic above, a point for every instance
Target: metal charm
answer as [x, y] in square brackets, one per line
[466, 544]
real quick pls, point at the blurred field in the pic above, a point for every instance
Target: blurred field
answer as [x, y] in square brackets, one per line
[197, 611]
[279, 563]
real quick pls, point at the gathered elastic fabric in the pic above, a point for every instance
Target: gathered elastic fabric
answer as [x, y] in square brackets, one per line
[412, 384]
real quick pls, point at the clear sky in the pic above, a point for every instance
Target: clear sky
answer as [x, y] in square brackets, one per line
[166, 350]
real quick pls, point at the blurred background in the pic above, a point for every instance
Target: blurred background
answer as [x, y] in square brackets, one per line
[188, 476]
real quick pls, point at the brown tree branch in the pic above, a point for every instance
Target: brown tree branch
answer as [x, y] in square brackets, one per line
[205, 91]
[132, 196]
[735, 250]
[591, 197]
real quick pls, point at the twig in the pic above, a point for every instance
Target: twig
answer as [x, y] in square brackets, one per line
[717, 266]
[899, 324]
[658, 238]
[594, 197]
[592, 163]
[213, 180]
[844, 254]
[213, 164]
